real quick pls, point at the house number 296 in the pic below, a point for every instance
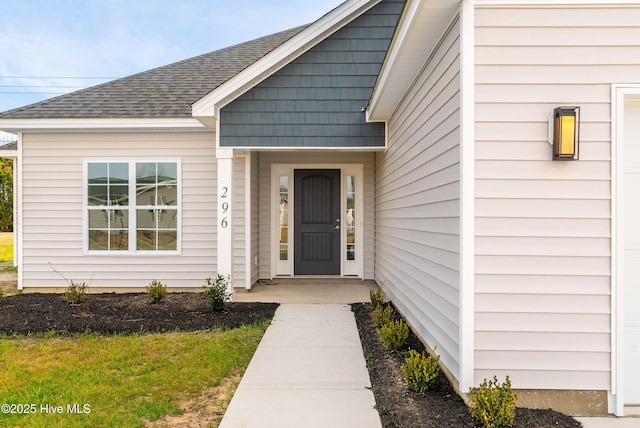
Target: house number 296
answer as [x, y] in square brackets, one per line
[224, 205]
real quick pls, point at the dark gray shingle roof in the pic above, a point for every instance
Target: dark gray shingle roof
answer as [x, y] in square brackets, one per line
[164, 92]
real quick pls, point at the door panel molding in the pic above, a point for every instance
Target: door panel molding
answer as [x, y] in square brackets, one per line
[317, 221]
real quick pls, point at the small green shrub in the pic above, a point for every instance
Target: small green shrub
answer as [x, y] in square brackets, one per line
[376, 297]
[394, 334]
[156, 291]
[420, 371]
[383, 314]
[217, 291]
[493, 404]
[75, 293]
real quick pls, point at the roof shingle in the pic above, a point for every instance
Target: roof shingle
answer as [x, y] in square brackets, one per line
[163, 92]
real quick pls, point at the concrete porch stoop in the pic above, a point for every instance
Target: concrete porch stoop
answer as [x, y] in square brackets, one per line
[309, 370]
[308, 290]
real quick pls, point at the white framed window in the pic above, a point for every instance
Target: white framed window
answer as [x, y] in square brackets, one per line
[132, 207]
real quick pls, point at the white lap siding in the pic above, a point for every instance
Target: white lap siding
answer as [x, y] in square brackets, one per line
[52, 209]
[417, 204]
[543, 228]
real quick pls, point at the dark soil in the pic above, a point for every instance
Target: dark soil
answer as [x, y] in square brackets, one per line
[440, 406]
[124, 313]
[133, 313]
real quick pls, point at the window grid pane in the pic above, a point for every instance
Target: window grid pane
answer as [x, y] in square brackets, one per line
[108, 229]
[108, 199]
[108, 184]
[157, 229]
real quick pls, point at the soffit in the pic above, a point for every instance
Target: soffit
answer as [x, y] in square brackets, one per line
[421, 27]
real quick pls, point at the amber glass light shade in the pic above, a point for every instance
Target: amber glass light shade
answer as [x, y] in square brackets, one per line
[566, 129]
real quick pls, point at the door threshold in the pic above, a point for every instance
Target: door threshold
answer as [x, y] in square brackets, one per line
[318, 276]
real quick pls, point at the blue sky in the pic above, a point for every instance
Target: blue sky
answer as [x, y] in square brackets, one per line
[49, 47]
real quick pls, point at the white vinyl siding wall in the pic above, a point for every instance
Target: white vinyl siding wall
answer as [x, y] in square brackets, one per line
[314, 157]
[543, 228]
[417, 203]
[52, 209]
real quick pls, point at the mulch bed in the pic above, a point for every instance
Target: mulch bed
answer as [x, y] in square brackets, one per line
[124, 313]
[440, 406]
[133, 313]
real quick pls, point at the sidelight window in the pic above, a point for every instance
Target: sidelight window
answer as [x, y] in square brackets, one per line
[284, 217]
[350, 220]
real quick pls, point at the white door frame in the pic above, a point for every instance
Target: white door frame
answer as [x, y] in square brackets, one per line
[621, 94]
[347, 268]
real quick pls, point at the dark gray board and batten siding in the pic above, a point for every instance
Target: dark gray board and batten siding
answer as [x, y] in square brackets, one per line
[318, 100]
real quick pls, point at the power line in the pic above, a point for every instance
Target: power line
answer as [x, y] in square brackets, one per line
[56, 77]
[15, 89]
[42, 86]
[32, 93]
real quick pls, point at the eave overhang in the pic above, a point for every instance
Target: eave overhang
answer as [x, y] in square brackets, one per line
[418, 34]
[16, 125]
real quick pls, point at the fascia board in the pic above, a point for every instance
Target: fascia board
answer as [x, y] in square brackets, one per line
[13, 125]
[558, 3]
[210, 104]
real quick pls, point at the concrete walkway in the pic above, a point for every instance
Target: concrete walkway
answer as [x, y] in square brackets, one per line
[632, 420]
[308, 371]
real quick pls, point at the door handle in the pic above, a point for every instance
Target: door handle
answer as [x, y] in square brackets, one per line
[338, 225]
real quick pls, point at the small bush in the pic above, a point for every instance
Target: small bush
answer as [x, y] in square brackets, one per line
[217, 292]
[156, 291]
[383, 314]
[75, 293]
[493, 404]
[394, 334]
[420, 371]
[376, 297]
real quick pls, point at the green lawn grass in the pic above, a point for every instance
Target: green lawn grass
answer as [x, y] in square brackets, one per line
[121, 380]
[6, 246]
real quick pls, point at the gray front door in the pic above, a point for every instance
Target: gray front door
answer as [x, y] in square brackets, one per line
[317, 222]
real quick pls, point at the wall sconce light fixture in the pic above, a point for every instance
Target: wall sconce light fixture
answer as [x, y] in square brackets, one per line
[564, 133]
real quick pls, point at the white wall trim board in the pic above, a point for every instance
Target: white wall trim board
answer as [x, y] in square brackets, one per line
[620, 93]
[467, 197]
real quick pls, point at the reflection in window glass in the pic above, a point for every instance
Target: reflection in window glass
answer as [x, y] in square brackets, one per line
[156, 214]
[155, 206]
[108, 184]
[284, 218]
[108, 199]
[156, 184]
[350, 221]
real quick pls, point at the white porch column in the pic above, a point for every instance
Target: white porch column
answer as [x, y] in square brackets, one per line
[225, 200]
